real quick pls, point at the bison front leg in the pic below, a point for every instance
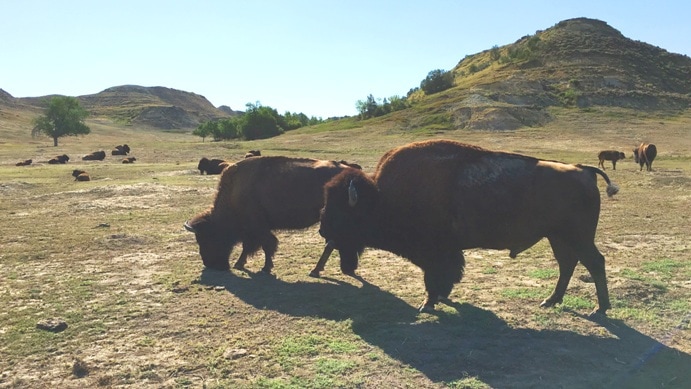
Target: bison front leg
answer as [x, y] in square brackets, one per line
[319, 267]
[270, 245]
[440, 276]
[249, 247]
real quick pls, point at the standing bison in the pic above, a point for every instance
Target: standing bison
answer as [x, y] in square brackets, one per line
[428, 201]
[211, 166]
[256, 196]
[644, 155]
[610, 155]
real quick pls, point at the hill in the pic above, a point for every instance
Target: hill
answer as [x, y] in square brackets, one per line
[576, 64]
[579, 63]
[156, 107]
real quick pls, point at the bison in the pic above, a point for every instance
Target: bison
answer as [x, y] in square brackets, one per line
[120, 150]
[95, 156]
[80, 175]
[256, 196]
[25, 162]
[211, 166]
[610, 155]
[60, 159]
[645, 154]
[253, 153]
[428, 201]
[129, 160]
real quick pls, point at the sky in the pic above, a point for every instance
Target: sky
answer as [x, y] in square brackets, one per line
[303, 56]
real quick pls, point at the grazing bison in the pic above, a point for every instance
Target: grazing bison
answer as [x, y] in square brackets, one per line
[95, 156]
[645, 155]
[609, 155]
[253, 153]
[25, 162]
[256, 196]
[211, 166]
[60, 159]
[428, 201]
[80, 175]
[120, 150]
[129, 160]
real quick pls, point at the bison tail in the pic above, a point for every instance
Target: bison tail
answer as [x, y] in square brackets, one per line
[612, 188]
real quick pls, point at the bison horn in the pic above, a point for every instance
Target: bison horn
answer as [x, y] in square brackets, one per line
[189, 228]
[352, 194]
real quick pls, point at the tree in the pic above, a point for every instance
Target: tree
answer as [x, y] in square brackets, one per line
[64, 116]
[437, 81]
[203, 130]
[259, 122]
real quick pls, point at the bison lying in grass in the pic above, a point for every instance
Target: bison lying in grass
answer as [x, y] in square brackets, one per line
[428, 201]
[25, 162]
[95, 156]
[256, 196]
[129, 160]
[60, 159]
[120, 150]
[80, 175]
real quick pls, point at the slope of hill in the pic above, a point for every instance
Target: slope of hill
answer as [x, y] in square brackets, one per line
[157, 107]
[576, 63]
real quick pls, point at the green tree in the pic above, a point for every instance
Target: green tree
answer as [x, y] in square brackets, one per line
[64, 116]
[259, 122]
[203, 130]
[436, 81]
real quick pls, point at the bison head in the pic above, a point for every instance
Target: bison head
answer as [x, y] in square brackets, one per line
[346, 218]
[214, 241]
[203, 165]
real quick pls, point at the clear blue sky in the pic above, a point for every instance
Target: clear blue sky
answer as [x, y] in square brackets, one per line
[315, 57]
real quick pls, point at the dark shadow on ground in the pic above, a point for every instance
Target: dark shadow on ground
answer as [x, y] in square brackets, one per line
[474, 342]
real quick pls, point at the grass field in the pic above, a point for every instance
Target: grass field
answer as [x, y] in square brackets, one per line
[111, 258]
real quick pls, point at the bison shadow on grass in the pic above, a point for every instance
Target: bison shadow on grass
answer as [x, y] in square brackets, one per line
[466, 340]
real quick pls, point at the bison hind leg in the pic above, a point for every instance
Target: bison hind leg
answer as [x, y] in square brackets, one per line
[270, 245]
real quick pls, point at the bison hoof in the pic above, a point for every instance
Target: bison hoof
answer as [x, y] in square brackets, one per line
[426, 308]
[548, 303]
[315, 274]
[266, 270]
[597, 314]
[239, 267]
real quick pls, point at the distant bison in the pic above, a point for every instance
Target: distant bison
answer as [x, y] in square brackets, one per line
[120, 150]
[211, 166]
[645, 155]
[80, 175]
[129, 160]
[60, 159]
[428, 201]
[256, 196]
[610, 155]
[25, 162]
[95, 156]
[253, 153]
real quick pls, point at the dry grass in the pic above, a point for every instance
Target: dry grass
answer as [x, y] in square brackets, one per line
[110, 257]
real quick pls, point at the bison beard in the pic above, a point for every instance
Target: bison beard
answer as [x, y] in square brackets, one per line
[428, 201]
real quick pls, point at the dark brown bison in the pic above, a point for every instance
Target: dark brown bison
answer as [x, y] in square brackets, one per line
[253, 153]
[211, 166]
[95, 156]
[120, 150]
[428, 201]
[610, 155]
[256, 196]
[60, 159]
[80, 175]
[25, 162]
[129, 160]
[645, 155]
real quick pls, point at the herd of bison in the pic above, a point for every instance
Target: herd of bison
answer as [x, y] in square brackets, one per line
[482, 199]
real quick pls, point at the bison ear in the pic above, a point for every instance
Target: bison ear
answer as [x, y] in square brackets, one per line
[352, 194]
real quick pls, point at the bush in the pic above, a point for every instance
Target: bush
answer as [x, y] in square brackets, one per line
[436, 81]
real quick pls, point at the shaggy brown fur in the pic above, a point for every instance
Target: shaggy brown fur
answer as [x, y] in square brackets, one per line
[253, 153]
[25, 162]
[60, 159]
[95, 156]
[256, 196]
[129, 160]
[645, 154]
[609, 155]
[80, 175]
[428, 201]
[211, 166]
[120, 150]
